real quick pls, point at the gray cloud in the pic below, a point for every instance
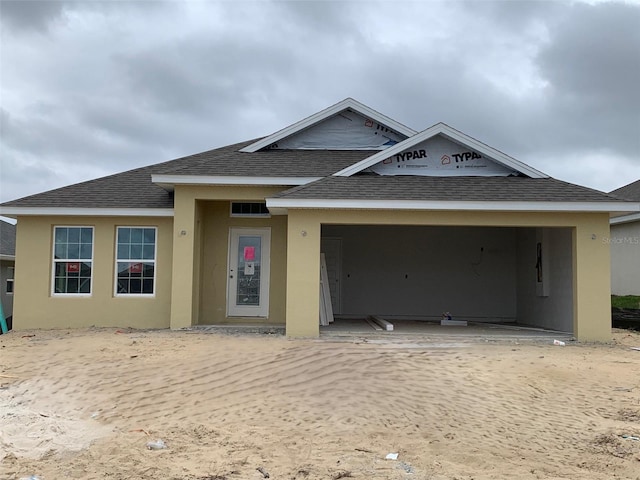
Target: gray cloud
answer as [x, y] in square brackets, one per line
[592, 64]
[33, 15]
[115, 85]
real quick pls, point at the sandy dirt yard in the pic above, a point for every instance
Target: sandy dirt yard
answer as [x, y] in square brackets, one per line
[83, 404]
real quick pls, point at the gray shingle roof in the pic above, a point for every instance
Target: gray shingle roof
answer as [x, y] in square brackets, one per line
[228, 161]
[510, 189]
[7, 238]
[133, 189]
[629, 192]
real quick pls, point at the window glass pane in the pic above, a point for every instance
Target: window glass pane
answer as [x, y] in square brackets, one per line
[60, 250]
[136, 235]
[72, 277]
[147, 286]
[149, 235]
[123, 285]
[248, 270]
[124, 235]
[85, 250]
[123, 269]
[87, 235]
[72, 285]
[149, 269]
[59, 269]
[74, 235]
[135, 285]
[60, 283]
[136, 251]
[85, 285]
[85, 269]
[148, 252]
[9, 286]
[73, 250]
[61, 235]
[135, 278]
[123, 252]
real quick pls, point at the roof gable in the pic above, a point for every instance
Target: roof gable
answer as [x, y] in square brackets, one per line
[347, 125]
[629, 192]
[442, 150]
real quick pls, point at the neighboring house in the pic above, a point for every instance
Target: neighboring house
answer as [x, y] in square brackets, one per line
[411, 224]
[7, 266]
[625, 245]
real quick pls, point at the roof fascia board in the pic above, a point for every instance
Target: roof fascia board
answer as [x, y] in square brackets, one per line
[83, 212]
[324, 114]
[634, 217]
[451, 134]
[169, 180]
[451, 205]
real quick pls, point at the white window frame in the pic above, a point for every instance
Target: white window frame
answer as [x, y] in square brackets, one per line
[55, 260]
[136, 260]
[11, 272]
[248, 215]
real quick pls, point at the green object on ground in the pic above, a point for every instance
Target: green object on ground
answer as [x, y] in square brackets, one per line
[3, 321]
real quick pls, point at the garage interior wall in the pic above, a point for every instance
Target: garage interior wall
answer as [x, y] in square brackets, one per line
[553, 308]
[476, 273]
[422, 271]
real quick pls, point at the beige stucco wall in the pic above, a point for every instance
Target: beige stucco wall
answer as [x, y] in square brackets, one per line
[625, 258]
[591, 259]
[216, 223]
[194, 243]
[35, 306]
[192, 218]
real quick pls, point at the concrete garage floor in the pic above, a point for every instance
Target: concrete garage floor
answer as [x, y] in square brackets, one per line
[343, 327]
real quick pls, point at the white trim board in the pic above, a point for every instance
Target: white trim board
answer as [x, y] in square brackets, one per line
[168, 181]
[284, 203]
[91, 212]
[347, 103]
[633, 217]
[451, 134]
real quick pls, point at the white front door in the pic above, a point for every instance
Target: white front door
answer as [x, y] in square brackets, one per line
[248, 272]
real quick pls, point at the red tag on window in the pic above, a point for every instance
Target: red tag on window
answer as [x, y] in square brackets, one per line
[249, 254]
[73, 267]
[135, 268]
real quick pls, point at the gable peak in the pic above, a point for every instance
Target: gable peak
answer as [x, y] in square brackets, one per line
[320, 121]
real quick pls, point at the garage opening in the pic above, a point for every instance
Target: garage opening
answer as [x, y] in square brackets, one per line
[489, 275]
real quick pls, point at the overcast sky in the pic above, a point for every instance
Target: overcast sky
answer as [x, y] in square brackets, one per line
[90, 88]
